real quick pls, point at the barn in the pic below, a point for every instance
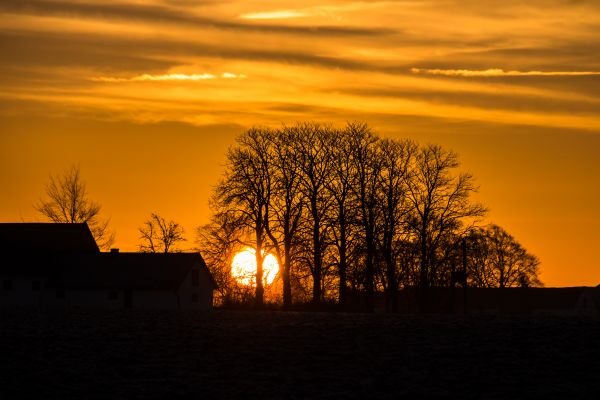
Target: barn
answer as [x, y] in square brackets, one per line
[51, 265]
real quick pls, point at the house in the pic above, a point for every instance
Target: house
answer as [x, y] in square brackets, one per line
[59, 265]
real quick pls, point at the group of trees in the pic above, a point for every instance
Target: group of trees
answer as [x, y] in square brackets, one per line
[344, 210]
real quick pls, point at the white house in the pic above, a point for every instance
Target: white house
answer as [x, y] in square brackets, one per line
[59, 265]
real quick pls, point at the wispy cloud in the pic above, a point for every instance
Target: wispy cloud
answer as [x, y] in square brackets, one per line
[498, 72]
[169, 77]
[155, 13]
[280, 14]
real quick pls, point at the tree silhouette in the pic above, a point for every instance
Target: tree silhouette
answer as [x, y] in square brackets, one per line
[68, 202]
[245, 191]
[217, 242]
[343, 213]
[314, 163]
[367, 168]
[343, 209]
[159, 235]
[396, 158]
[496, 259]
[440, 205]
[286, 205]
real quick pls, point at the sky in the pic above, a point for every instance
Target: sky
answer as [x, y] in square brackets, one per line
[146, 97]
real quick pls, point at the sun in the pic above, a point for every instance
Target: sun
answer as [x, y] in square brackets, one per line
[243, 267]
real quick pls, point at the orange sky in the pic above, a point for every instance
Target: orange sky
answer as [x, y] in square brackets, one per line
[146, 96]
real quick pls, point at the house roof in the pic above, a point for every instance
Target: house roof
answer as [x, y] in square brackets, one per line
[46, 237]
[119, 271]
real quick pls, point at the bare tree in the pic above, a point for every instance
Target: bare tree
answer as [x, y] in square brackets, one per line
[314, 162]
[218, 241]
[160, 236]
[344, 211]
[396, 157]
[246, 190]
[68, 202]
[440, 205]
[285, 206]
[496, 259]
[367, 169]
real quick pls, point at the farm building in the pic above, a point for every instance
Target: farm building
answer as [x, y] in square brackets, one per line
[60, 265]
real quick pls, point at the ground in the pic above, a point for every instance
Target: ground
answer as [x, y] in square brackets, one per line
[225, 354]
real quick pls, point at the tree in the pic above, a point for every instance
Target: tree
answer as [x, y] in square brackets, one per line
[286, 204]
[497, 259]
[218, 241]
[159, 235]
[314, 163]
[343, 212]
[68, 202]
[396, 157]
[367, 169]
[440, 205]
[246, 190]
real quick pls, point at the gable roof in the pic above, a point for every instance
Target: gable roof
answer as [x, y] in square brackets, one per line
[46, 237]
[121, 271]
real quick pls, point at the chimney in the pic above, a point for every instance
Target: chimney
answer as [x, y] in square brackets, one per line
[114, 251]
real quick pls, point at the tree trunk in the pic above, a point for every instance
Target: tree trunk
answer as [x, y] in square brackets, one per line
[259, 299]
[370, 268]
[391, 278]
[287, 285]
[317, 261]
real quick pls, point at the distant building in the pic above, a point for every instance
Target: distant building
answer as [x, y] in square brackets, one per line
[60, 265]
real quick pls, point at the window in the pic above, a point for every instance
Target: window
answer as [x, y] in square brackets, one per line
[60, 293]
[195, 278]
[36, 286]
[8, 284]
[113, 295]
[194, 298]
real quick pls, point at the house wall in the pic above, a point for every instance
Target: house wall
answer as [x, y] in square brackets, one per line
[84, 298]
[154, 299]
[202, 292]
[21, 291]
[109, 299]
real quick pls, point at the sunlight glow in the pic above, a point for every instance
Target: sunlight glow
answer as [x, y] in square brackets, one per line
[243, 267]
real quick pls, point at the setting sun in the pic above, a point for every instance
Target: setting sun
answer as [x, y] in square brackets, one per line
[243, 267]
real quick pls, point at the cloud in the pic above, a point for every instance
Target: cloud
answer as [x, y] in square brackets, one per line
[169, 77]
[500, 99]
[494, 72]
[170, 15]
[281, 14]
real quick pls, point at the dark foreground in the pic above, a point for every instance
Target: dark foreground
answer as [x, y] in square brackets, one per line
[228, 354]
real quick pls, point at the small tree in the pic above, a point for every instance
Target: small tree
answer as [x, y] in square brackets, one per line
[497, 259]
[160, 236]
[68, 202]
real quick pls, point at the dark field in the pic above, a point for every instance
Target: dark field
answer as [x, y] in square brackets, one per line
[228, 354]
